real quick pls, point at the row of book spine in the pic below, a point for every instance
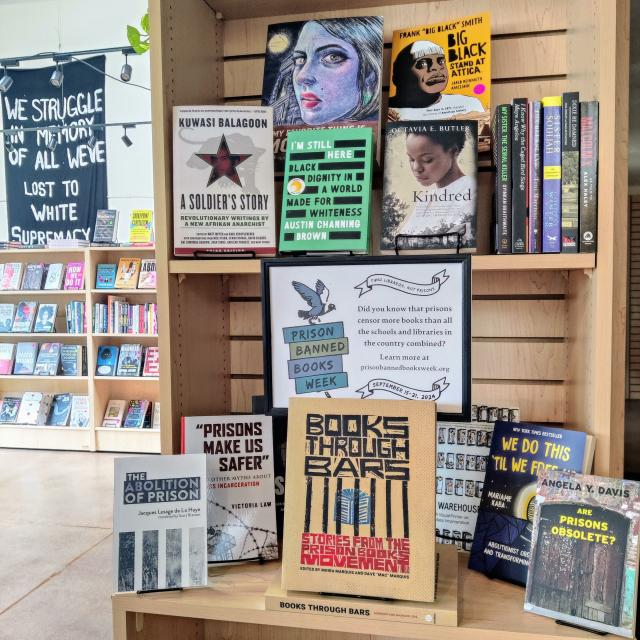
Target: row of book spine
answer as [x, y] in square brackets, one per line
[117, 316]
[76, 320]
[546, 157]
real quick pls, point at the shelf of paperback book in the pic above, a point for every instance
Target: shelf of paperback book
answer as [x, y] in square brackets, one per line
[127, 292]
[43, 437]
[127, 378]
[524, 262]
[237, 594]
[142, 336]
[127, 440]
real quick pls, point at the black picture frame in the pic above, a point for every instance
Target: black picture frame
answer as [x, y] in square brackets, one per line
[432, 260]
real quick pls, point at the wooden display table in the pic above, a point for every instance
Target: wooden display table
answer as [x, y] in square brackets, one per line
[233, 604]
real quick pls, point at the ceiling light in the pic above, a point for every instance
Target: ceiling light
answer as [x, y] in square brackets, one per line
[125, 138]
[5, 82]
[126, 72]
[57, 77]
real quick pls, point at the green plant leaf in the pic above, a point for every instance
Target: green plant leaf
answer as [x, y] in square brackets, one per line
[143, 47]
[133, 35]
[144, 23]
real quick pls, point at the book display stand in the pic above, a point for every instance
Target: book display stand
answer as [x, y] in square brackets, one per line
[548, 329]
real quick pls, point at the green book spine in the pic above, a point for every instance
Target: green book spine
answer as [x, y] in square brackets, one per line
[326, 200]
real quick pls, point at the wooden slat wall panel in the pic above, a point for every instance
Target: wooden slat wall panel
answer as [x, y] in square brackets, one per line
[633, 377]
[537, 402]
[511, 58]
[507, 17]
[491, 318]
[519, 283]
[241, 392]
[490, 360]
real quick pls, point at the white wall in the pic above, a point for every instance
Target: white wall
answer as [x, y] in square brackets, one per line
[33, 26]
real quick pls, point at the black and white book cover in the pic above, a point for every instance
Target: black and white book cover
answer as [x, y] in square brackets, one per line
[241, 511]
[159, 523]
[223, 195]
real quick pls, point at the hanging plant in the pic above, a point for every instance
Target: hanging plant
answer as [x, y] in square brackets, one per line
[139, 38]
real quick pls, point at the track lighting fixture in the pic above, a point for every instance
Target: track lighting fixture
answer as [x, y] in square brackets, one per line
[52, 142]
[125, 138]
[91, 142]
[8, 145]
[126, 72]
[57, 77]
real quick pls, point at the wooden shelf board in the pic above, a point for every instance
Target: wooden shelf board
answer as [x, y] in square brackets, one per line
[525, 262]
[42, 427]
[124, 291]
[236, 594]
[26, 252]
[124, 335]
[126, 440]
[108, 248]
[27, 293]
[127, 378]
[3, 336]
[39, 378]
[128, 429]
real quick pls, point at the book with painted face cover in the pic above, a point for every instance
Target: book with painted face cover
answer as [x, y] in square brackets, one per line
[442, 71]
[430, 184]
[519, 452]
[159, 523]
[324, 73]
[326, 200]
[584, 551]
[25, 317]
[128, 272]
[362, 518]
[223, 180]
[241, 516]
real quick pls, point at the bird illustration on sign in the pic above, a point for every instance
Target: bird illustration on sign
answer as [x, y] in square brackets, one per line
[318, 301]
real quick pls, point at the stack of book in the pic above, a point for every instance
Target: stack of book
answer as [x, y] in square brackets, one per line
[46, 359]
[127, 361]
[546, 156]
[132, 414]
[121, 317]
[44, 409]
[15, 276]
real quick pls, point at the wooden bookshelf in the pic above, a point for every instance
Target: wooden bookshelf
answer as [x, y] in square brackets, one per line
[99, 390]
[548, 330]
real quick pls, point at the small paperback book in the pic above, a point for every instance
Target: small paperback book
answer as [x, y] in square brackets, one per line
[519, 451]
[74, 277]
[34, 408]
[359, 524]
[442, 71]
[461, 462]
[323, 73]
[48, 361]
[7, 312]
[79, 411]
[160, 523]
[223, 180]
[584, 552]
[130, 361]
[136, 414]
[11, 276]
[9, 409]
[106, 227]
[55, 275]
[106, 276]
[107, 360]
[114, 414]
[141, 227]
[71, 359]
[326, 201]
[60, 410]
[128, 271]
[239, 484]
[33, 276]
[151, 362]
[25, 316]
[147, 279]
[430, 183]
[7, 354]
[46, 318]
[25, 362]
[155, 416]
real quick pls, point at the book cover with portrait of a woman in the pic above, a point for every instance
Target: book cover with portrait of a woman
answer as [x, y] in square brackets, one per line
[443, 71]
[430, 185]
[323, 73]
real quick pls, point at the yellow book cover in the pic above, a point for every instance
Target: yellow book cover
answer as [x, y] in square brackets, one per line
[141, 226]
[361, 517]
[128, 272]
[442, 71]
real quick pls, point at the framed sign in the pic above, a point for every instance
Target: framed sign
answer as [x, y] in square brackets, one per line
[370, 327]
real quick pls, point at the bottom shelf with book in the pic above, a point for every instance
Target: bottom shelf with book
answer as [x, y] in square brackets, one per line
[43, 437]
[234, 603]
[128, 440]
